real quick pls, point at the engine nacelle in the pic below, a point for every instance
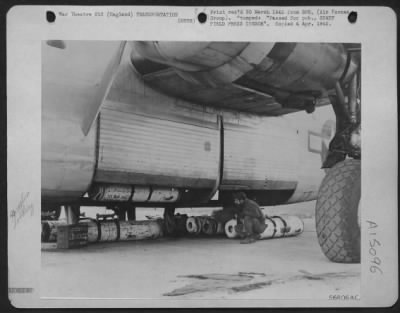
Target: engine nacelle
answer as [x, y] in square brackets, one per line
[281, 68]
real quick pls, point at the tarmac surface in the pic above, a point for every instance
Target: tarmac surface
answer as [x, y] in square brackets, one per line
[200, 268]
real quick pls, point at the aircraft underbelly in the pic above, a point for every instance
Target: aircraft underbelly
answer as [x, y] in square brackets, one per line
[260, 157]
[165, 150]
[147, 141]
[191, 151]
[139, 149]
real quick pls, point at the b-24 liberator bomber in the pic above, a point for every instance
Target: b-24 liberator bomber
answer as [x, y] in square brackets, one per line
[178, 124]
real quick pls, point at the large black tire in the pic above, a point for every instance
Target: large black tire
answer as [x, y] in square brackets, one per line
[336, 213]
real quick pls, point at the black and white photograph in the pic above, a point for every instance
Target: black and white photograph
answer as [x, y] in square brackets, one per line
[216, 135]
[200, 172]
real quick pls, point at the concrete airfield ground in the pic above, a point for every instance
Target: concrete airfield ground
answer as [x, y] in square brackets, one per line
[200, 268]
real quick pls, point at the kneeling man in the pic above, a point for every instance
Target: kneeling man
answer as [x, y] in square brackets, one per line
[252, 216]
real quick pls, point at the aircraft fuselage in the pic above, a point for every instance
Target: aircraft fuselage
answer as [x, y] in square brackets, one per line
[149, 148]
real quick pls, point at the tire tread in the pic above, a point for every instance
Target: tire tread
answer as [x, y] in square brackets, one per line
[336, 214]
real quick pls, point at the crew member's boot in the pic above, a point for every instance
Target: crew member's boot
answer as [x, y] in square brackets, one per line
[248, 239]
[257, 236]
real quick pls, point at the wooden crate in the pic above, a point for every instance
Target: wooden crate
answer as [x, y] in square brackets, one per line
[72, 236]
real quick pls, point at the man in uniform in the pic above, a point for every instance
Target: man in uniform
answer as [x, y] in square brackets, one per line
[252, 216]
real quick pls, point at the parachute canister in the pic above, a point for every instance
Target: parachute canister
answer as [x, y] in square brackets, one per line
[277, 226]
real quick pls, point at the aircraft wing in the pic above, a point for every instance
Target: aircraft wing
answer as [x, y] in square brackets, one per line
[261, 78]
[264, 78]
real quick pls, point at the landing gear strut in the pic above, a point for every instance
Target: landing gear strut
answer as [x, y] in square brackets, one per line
[169, 221]
[339, 195]
[131, 212]
[72, 213]
[125, 212]
[347, 140]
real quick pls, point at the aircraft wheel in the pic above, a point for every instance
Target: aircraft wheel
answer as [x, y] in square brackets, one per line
[336, 213]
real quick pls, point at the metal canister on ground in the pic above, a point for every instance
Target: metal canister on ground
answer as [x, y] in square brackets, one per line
[140, 230]
[277, 227]
[49, 229]
[192, 225]
[212, 227]
[114, 230]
